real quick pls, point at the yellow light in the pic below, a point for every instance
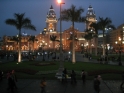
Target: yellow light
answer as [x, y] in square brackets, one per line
[116, 42]
[59, 1]
[119, 39]
[44, 29]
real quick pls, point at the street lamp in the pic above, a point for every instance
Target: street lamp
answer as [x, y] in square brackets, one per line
[92, 45]
[61, 55]
[87, 47]
[119, 42]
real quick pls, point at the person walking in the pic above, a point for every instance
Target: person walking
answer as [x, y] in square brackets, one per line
[96, 83]
[83, 76]
[7, 76]
[43, 85]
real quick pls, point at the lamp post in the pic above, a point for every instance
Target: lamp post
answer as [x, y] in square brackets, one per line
[43, 43]
[119, 42]
[82, 48]
[61, 55]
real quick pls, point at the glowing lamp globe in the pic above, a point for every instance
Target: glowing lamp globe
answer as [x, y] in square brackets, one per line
[59, 1]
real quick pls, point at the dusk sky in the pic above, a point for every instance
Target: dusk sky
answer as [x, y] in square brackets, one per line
[36, 11]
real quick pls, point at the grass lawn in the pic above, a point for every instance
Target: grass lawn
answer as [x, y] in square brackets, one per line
[36, 70]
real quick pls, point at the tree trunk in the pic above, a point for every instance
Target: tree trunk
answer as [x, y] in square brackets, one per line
[103, 44]
[73, 45]
[90, 50]
[53, 46]
[19, 52]
[33, 47]
[96, 44]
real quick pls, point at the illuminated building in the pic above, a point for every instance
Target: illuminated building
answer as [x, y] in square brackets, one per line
[44, 37]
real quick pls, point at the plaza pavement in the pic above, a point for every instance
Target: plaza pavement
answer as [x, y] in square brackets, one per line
[55, 86]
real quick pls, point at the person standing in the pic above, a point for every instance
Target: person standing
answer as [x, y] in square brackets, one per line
[73, 77]
[1, 75]
[14, 78]
[10, 83]
[43, 85]
[65, 75]
[96, 83]
[122, 80]
[83, 76]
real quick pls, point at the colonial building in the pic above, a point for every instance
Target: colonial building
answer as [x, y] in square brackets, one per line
[117, 38]
[42, 40]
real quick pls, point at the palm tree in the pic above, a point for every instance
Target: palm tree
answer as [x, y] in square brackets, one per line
[95, 27]
[32, 39]
[103, 24]
[20, 22]
[53, 39]
[88, 36]
[71, 38]
[74, 15]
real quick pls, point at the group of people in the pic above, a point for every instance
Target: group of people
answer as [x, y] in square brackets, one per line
[73, 76]
[65, 76]
[96, 83]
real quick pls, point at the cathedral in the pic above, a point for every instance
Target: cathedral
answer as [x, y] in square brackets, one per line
[43, 40]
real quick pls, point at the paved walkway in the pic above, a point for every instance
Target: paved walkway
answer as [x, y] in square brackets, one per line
[55, 86]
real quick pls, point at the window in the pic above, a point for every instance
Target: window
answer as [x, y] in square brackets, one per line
[70, 32]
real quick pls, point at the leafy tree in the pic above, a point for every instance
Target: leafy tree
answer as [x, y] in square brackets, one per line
[74, 15]
[20, 22]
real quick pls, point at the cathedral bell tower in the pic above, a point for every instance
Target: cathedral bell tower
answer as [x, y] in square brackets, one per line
[51, 21]
[90, 17]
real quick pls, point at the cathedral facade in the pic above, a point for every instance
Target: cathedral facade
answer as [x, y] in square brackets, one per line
[43, 40]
